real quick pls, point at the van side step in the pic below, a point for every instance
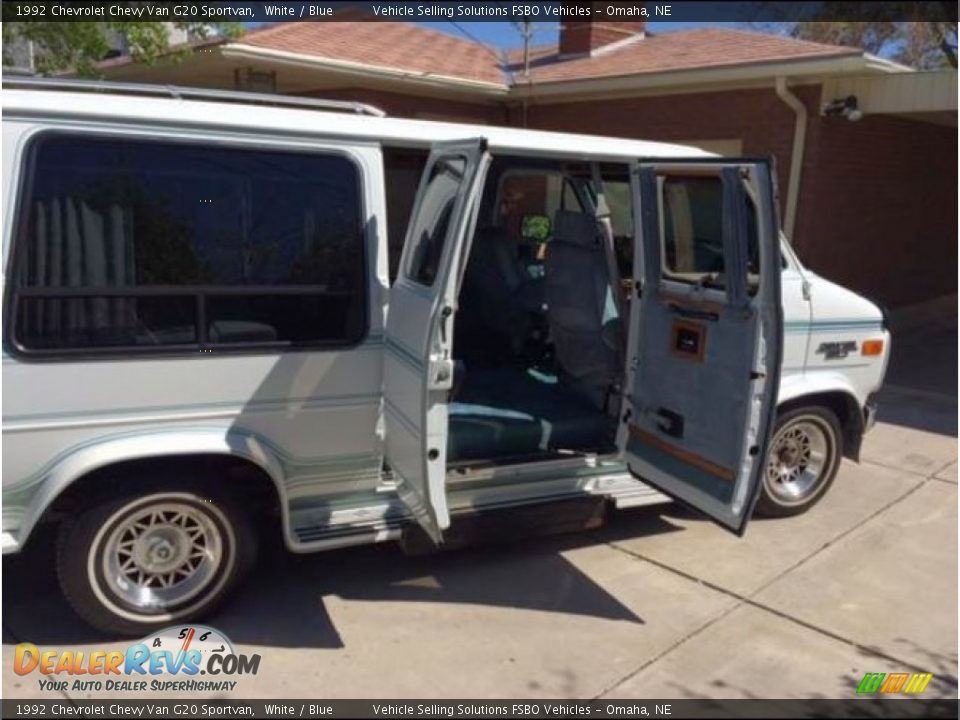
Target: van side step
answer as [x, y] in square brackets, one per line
[506, 525]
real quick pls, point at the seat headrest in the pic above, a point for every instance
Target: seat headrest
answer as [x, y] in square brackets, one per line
[575, 228]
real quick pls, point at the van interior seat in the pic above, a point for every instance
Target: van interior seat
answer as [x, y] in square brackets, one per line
[497, 290]
[514, 397]
[581, 312]
[516, 412]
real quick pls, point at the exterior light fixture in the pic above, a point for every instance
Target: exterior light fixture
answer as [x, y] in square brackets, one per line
[846, 107]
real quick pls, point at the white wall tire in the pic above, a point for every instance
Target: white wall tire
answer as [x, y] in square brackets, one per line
[802, 461]
[138, 563]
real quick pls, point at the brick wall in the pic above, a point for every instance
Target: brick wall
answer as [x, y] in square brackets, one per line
[878, 199]
[425, 108]
[878, 207]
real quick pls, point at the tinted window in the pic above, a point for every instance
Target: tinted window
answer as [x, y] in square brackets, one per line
[52, 323]
[431, 224]
[136, 243]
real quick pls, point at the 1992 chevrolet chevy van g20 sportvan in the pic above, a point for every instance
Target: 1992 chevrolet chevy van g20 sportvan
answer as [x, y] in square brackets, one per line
[221, 308]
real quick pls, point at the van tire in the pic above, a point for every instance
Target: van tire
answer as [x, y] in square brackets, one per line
[186, 547]
[802, 461]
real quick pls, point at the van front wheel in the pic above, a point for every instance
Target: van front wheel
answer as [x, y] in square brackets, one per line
[137, 564]
[802, 461]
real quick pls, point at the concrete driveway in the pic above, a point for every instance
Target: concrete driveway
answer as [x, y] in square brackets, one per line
[656, 604]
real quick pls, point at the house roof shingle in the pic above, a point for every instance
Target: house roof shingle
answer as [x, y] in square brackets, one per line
[708, 47]
[398, 45]
[409, 47]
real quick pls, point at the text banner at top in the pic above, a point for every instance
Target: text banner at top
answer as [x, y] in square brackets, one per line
[467, 11]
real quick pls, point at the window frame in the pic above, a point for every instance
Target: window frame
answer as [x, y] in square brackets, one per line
[27, 159]
[670, 276]
[666, 272]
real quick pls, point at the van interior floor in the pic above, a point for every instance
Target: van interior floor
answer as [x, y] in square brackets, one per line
[522, 413]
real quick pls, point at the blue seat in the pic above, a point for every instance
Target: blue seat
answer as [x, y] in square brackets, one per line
[509, 412]
[584, 324]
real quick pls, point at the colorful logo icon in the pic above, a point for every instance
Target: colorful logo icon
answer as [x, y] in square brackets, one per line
[892, 683]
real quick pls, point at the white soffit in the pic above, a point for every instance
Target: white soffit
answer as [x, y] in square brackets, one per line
[897, 93]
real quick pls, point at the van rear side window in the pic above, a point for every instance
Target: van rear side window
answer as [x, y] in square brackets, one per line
[128, 244]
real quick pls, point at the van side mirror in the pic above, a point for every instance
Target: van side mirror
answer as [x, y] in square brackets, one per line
[535, 228]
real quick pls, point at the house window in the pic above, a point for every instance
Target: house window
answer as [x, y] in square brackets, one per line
[141, 245]
[251, 80]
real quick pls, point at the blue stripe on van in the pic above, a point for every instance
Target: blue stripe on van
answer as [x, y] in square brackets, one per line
[825, 326]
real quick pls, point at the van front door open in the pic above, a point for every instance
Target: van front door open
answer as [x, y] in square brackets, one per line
[418, 363]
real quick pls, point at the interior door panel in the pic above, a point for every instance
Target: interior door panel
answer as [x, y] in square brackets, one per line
[705, 335]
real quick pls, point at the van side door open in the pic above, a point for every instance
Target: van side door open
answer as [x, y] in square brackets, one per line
[418, 362]
[706, 331]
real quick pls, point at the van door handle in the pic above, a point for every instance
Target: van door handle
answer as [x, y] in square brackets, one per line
[668, 421]
[441, 374]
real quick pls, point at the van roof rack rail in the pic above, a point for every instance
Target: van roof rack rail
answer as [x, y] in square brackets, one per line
[189, 93]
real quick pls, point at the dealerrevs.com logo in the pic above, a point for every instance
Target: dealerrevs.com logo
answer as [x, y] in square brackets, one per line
[192, 658]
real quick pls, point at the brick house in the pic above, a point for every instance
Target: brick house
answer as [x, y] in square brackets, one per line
[868, 190]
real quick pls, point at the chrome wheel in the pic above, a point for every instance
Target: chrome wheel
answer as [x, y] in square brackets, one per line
[160, 555]
[802, 454]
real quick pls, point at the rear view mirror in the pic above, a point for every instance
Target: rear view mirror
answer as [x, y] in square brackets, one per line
[535, 228]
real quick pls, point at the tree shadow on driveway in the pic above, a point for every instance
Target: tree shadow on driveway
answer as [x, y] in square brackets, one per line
[283, 603]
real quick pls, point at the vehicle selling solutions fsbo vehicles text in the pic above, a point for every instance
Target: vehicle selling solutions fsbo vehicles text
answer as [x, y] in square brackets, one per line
[467, 10]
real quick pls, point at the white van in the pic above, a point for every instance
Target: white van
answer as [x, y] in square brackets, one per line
[222, 308]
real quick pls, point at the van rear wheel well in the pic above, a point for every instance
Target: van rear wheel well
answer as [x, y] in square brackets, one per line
[241, 479]
[847, 411]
